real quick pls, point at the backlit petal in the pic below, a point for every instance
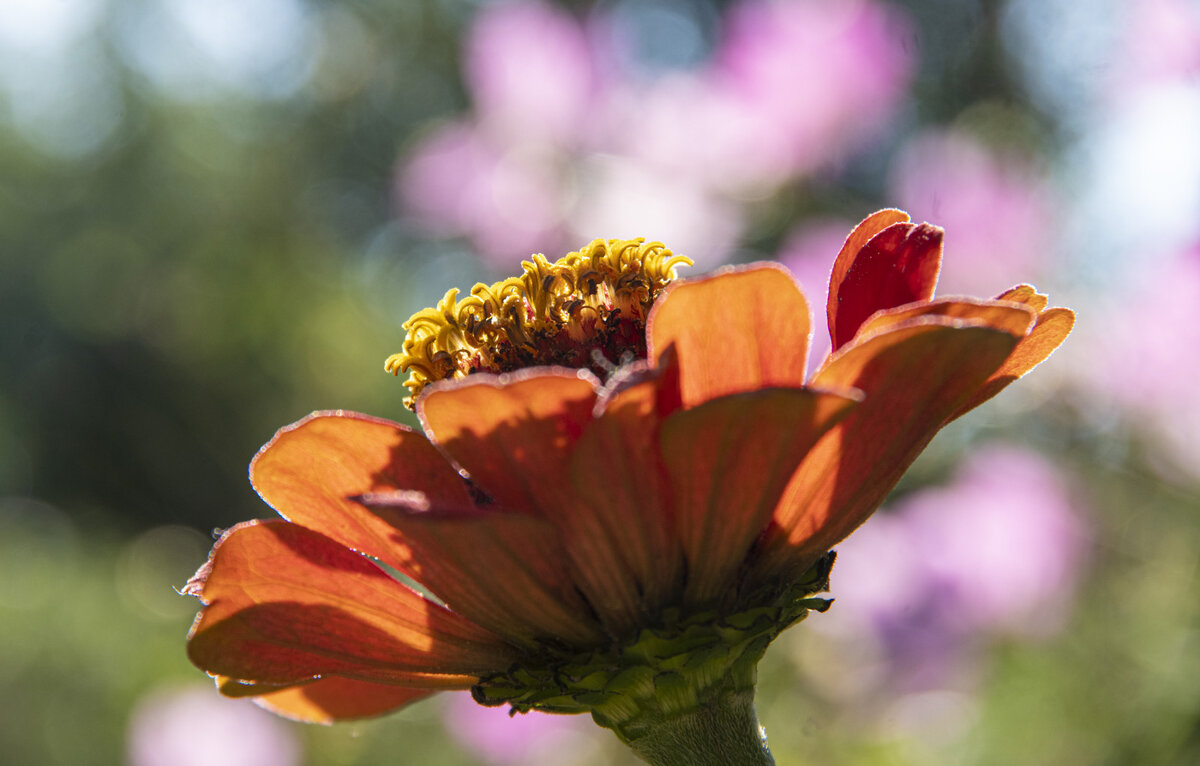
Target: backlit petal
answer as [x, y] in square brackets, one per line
[310, 469]
[621, 537]
[513, 433]
[340, 699]
[740, 329]
[1051, 329]
[429, 682]
[1026, 294]
[729, 460]
[284, 604]
[505, 571]
[898, 265]
[913, 376]
[233, 687]
[1016, 319]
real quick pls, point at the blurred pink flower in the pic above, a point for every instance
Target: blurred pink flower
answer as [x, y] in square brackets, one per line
[792, 87]
[818, 76]
[1161, 42]
[558, 147]
[997, 208]
[1151, 376]
[191, 726]
[529, 73]
[631, 199]
[497, 178]
[530, 739]
[507, 200]
[997, 550]
[1002, 500]
[1159, 365]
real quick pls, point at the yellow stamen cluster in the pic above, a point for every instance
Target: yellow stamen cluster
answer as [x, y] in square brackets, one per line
[561, 313]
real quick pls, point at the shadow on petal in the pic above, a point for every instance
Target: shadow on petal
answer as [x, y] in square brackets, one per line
[284, 604]
[914, 376]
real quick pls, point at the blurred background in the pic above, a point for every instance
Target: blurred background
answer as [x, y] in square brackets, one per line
[216, 214]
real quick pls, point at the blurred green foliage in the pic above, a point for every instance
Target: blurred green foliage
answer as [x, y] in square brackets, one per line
[207, 274]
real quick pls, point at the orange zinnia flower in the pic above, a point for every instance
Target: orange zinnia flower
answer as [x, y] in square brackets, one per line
[625, 532]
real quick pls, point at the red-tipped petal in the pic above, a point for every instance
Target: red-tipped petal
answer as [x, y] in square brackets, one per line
[898, 265]
[309, 471]
[740, 329]
[729, 460]
[1051, 329]
[620, 536]
[327, 700]
[513, 433]
[913, 376]
[284, 604]
[860, 236]
[504, 571]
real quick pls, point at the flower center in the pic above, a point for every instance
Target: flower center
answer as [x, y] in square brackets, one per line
[587, 309]
[684, 663]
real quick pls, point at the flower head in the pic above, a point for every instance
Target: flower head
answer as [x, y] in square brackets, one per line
[624, 545]
[586, 310]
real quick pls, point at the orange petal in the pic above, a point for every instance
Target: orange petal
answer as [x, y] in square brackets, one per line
[284, 604]
[502, 570]
[1002, 316]
[340, 699]
[429, 682]
[1026, 294]
[1052, 328]
[729, 460]
[236, 688]
[310, 469]
[739, 329]
[513, 433]
[897, 265]
[913, 376]
[620, 536]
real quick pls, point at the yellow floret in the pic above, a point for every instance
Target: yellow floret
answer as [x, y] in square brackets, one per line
[552, 313]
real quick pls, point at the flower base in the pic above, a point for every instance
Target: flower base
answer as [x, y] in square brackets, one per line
[682, 692]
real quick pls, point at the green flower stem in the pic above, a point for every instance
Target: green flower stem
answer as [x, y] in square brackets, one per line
[723, 733]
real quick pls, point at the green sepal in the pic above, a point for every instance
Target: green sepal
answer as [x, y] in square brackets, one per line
[679, 665]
